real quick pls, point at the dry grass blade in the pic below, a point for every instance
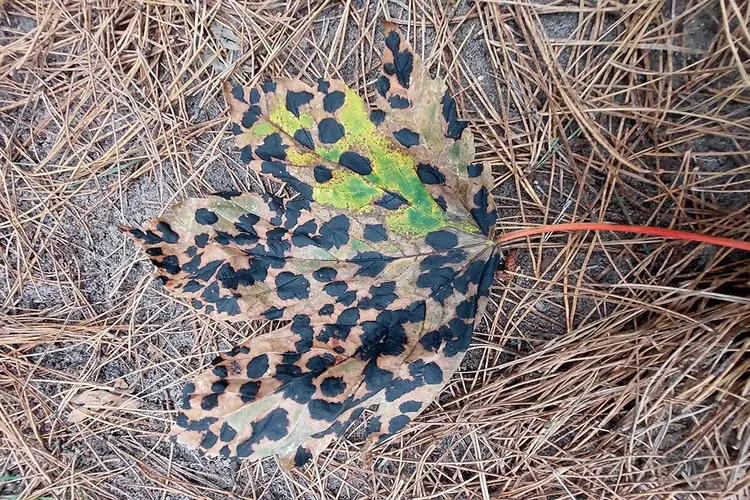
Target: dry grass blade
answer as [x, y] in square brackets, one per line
[607, 368]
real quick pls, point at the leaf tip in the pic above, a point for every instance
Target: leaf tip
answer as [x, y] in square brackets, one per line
[234, 95]
[388, 26]
[286, 462]
[131, 232]
[227, 89]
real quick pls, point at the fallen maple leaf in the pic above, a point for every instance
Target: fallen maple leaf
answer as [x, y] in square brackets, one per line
[382, 263]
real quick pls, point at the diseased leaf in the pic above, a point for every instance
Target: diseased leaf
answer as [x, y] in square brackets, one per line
[382, 264]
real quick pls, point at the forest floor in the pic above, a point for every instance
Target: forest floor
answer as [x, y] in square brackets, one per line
[605, 367]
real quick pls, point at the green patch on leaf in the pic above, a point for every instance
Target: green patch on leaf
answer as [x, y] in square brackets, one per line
[287, 122]
[262, 129]
[412, 222]
[347, 191]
